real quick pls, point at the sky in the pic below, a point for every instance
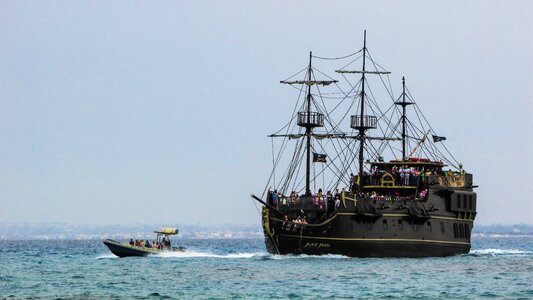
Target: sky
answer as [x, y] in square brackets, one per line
[143, 112]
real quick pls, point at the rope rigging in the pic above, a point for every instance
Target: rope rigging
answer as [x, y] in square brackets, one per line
[337, 58]
[338, 141]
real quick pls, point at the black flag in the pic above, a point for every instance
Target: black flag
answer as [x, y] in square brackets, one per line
[437, 138]
[319, 157]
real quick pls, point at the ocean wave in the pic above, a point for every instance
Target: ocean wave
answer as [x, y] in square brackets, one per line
[501, 235]
[496, 252]
[306, 256]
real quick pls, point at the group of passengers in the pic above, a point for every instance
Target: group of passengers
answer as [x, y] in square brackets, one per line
[391, 196]
[323, 202]
[295, 224]
[164, 244]
[403, 176]
[331, 202]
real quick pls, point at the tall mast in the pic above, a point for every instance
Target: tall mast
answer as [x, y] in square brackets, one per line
[308, 119]
[403, 118]
[308, 131]
[363, 122]
[404, 104]
[362, 125]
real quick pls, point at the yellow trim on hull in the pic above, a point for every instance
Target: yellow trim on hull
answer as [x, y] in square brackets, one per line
[374, 240]
[384, 215]
[407, 215]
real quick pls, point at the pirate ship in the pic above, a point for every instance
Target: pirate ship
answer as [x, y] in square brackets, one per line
[409, 198]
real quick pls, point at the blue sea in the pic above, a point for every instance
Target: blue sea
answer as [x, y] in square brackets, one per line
[499, 266]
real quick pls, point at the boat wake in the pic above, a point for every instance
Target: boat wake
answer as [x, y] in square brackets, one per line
[200, 254]
[499, 252]
[501, 235]
[106, 256]
[306, 256]
[245, 255]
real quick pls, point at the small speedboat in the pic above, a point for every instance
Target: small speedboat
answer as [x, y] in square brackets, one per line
[162, 239]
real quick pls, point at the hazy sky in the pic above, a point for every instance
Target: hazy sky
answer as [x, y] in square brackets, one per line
[153, 111]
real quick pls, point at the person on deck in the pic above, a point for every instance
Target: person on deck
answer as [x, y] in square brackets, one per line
[412, 176]
[319, 199]
[132, 243]
[337, 203]
[373, 175]
[353, 183]
[329, 202]
[337, 194]
[406, 173]
[293, 199]
[286, 223]
[275, 198]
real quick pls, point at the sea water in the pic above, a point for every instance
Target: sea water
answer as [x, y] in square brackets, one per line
[498, 266]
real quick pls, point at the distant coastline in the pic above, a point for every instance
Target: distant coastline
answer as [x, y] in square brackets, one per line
[63, 231]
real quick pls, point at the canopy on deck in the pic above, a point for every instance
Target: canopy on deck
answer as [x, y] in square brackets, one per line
[168, 231]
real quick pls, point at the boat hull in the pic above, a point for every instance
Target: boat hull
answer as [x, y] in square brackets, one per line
[363, 247]
[125, 250]
[393, 233]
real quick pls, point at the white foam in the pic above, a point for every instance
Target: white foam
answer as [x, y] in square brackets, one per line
[260, 255]
[493, 251]
[199, 254]
[306, 256]
[106, 256]
[498, 235]
[501, 235]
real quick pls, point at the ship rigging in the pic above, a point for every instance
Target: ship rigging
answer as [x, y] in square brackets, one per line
[339, 145]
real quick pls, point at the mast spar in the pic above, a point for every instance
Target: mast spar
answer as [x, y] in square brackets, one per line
[403, 104]
[362, 128]
[308, 131]
[309, 119]
[363, 122]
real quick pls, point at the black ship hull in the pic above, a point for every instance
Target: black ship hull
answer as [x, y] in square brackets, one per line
[364, 247]
[380, 243]
[395, 231]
